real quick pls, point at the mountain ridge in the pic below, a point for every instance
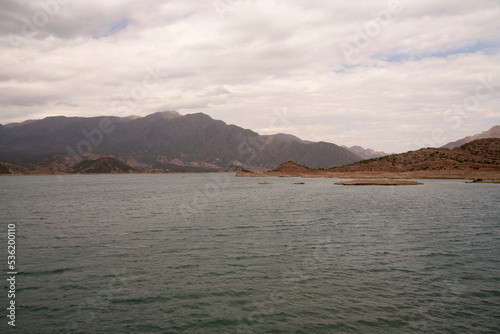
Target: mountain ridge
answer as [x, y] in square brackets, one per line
[164, 140]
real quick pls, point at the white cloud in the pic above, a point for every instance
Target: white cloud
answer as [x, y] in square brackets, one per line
[245, 64]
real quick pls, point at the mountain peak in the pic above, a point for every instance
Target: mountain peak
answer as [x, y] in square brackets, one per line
[166, 114]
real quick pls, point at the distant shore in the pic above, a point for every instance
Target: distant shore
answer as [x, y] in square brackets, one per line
[379, 182]
[131, 173]
[489, 177]
[290, 169]
[465, 175]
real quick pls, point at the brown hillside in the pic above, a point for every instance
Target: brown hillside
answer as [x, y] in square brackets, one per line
[291, 167]
[480, 158]
[482, 154]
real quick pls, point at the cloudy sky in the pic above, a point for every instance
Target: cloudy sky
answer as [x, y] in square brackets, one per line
[390, 75]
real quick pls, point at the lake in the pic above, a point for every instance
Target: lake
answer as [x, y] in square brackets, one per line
[212, 253]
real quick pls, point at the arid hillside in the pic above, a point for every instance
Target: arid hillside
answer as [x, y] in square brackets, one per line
[482, 154]
[480, 158]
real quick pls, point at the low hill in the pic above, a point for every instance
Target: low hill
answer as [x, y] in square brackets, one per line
[102, 166]
[494, 132]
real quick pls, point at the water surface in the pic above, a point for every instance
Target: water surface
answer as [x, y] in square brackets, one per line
[213, 253]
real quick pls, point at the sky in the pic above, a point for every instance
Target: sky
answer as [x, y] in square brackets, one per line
[392, 75]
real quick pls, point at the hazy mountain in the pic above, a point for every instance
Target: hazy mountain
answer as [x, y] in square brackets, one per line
[164, 140]
[494, 132]
[365, 153]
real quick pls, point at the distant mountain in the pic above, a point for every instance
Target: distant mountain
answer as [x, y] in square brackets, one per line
[164, 140]
[358, 150]
[494, 132]
[365, 153]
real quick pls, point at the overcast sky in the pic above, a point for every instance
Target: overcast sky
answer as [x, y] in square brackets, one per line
[390, 75]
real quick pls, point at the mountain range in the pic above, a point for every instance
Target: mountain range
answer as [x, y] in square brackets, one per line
[164, 141]
[167, 141]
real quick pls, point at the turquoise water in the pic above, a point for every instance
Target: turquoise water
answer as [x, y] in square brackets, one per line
[220, 254]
